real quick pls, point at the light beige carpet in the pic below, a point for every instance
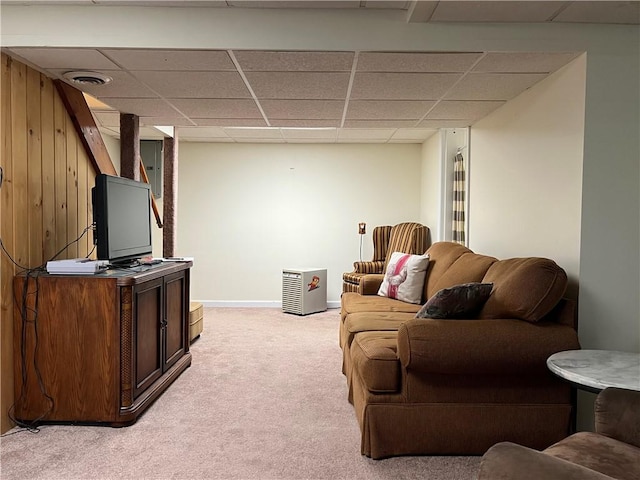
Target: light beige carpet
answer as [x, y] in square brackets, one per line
[263, 399]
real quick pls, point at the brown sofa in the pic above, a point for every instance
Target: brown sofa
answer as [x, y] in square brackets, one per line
[444, 386]
[611, 452]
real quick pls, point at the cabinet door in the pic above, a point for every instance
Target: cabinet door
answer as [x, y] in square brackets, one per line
[175, 339]
[147, 333]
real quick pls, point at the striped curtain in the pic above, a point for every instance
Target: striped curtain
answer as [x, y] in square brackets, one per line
[458, 214]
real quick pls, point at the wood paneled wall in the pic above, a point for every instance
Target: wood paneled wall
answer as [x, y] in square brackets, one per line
[45, 193]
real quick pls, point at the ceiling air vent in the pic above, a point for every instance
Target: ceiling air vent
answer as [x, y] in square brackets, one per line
[87, 78]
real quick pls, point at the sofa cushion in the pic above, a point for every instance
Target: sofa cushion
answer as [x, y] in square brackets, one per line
[370, 321]
[353, 302]
[404, 277]
[523, 288]
[441, 256]
[468, 268]
[600, 453]
[374, 357]
[459, 301]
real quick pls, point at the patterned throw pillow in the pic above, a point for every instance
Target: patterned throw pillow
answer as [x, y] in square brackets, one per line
[404, 278]
[456, 302]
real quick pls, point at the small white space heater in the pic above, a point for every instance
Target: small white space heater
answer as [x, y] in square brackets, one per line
[304, 291]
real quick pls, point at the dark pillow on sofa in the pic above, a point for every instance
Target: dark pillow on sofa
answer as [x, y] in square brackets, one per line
[457, 301]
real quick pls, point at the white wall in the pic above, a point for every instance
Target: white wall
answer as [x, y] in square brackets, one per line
[431, 194]
[525, 194]
[247, 211]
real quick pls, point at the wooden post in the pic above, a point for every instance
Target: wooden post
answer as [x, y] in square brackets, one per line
[170, 200]
[129, 146]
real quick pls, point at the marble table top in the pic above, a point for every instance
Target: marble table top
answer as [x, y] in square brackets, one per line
[596, 370]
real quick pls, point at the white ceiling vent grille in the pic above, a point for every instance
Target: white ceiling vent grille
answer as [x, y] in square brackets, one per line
[87, 78]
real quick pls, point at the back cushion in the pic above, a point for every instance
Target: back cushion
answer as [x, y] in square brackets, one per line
[524, 288]
[441, 256]
[468, 268]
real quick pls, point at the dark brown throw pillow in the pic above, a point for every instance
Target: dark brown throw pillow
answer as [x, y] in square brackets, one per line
[457, 301]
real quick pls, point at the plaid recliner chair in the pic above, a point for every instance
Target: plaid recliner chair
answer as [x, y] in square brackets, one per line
[408, 237]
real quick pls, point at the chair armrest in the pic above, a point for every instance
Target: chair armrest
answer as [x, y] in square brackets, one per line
[368, 267]
[508, 461]
[617, 415]
[370, 284]
[487, 347]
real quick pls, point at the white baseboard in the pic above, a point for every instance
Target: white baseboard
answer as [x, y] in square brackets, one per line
[253, 304]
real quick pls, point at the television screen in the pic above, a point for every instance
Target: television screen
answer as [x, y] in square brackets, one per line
[122, 217]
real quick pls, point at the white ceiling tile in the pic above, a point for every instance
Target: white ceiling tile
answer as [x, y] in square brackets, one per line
[381, 134]
[207, 139]
[362, 140]
[270, 61]
[203, 132]
[164, 3]
[298, 85]
[229, 122]
[311, 140]
[173, 121]
[148, 107]
[305, 123]
[412, 134]
[388, 109]
[524, 62]
[379, 123]
[391, 4]
[599, 11]
[66, 58]
[294, 3]
[461, 123]
[493, 86]
[309, 133]
[415, 62]
[303, 109]
[217, 108]
[195, 84]
[258, 140]
[402, 86]
[495, 11]
[265, 133]
[163, 60]
[454, 110]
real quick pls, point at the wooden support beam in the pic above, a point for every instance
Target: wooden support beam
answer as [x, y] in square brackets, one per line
[129, 146]
[170, 196]
[85, 125]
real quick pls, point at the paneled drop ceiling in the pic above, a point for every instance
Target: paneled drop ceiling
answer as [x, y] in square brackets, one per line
[285, 96]
[318, 96]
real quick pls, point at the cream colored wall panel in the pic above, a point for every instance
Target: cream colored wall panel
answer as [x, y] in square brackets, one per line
[430, 187]
[525, 194]
[248, 211]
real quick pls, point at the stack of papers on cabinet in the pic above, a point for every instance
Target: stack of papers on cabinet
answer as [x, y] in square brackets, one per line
[76, 266]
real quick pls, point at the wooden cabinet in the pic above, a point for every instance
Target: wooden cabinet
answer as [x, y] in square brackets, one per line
[101, 348]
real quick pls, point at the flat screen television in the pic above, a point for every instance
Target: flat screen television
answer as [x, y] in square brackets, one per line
[122, 218]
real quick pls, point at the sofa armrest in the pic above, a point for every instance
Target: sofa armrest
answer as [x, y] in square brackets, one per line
[370, 284]
[487, 347]
[508, 461]
[368, 267]
[617, 415]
